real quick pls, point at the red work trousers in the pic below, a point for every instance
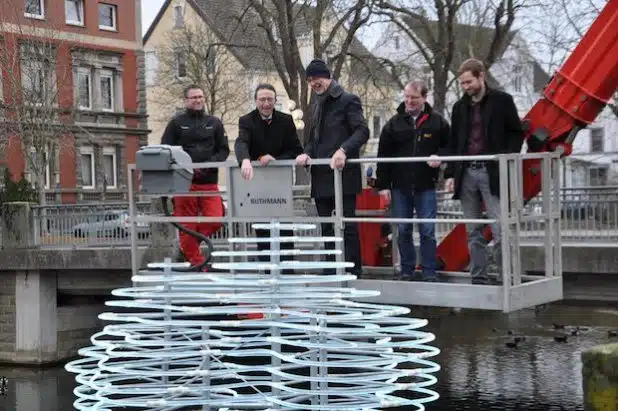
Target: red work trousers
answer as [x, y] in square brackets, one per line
[206, 206]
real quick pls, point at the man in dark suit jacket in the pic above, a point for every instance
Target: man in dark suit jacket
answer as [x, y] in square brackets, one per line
[484, 122]
[265, 135]
[338, 131]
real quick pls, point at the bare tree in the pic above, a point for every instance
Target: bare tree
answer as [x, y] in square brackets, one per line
[448, 31]
[321, 28]
[36, 112]
[195, 55]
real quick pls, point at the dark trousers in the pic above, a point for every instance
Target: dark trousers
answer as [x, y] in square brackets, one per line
[282, 246]
[352, 252]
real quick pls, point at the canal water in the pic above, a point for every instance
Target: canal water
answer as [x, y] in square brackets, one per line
[479, 371]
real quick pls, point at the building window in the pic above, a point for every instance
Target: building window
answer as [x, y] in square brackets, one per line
[37, 81]
[597, 139]
[33, 175]
[34, 9]
[110, 167]
[179, 18]
[107, 90]
[107, 16]
[84, 89]
[74, 12]
[152, 65]
[597, 176]
[211, 62]
[518, 74]
[181, 64]
[88, 170]
[377, 126]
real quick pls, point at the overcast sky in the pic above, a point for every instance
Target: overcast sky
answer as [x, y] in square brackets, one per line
[149, 11]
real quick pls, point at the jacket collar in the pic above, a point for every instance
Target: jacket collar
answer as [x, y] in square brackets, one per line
[256, 114]
[334, 90]
[401, 110]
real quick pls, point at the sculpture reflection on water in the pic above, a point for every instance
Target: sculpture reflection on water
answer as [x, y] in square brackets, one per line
[237, 339]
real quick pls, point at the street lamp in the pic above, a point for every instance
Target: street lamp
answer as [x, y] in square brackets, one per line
[297, 115]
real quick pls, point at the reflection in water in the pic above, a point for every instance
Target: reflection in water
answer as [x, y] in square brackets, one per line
[479, 372]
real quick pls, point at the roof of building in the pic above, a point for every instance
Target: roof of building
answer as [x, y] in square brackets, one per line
[238, 24]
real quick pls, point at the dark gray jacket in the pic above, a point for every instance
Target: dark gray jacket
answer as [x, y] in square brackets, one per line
[339, 123]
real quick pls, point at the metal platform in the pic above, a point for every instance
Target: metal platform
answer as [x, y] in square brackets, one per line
[462, 295]
[260, 200]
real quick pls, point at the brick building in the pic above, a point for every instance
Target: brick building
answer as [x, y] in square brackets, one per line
[95, 71]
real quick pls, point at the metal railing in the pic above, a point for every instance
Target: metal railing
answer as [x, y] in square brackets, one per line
[586, 214]
[511, 210]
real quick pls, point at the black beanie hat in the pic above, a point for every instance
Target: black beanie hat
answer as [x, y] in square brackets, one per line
[317, 68]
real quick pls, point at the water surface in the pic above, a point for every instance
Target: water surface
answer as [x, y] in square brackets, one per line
[479, 372]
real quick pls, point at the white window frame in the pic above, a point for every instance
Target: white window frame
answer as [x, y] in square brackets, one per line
[47, 176]
[107, 74]
[87, 72]
[36, 16]
[179, 17]
[114, 9]
[181, 54]
[88, 151]
[111, 151]
[80, 13]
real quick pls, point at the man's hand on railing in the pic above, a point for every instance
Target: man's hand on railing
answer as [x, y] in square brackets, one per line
[338, 159]
[386, 195]
[303, 160]
[434, 163]
[266, 159]
[246, 169]
[449, 185]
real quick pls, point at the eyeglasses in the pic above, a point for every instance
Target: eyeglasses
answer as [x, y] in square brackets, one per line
[195, 98]
[266, 99]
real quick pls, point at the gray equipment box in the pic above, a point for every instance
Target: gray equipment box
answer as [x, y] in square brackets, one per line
[165, 169]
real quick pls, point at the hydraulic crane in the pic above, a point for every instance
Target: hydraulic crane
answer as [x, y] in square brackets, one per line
[572, 99]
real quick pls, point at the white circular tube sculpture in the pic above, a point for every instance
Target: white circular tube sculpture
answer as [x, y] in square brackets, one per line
[244, 340]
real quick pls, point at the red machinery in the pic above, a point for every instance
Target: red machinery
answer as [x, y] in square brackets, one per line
[574, 97]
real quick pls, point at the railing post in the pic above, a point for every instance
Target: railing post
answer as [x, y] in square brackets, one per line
[229, 217]
[546, 191]
[554, 215]
[338, 218]
[504, 231]
[516, 206]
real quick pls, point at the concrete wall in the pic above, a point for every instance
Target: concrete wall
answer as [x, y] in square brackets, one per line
[36, 327]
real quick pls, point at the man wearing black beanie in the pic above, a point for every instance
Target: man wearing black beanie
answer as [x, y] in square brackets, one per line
[338, 131]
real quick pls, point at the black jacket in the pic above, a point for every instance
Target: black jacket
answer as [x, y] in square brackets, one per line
[338, 123]
[401, 137]
[502, 131]
[203, 137]
[282, 141]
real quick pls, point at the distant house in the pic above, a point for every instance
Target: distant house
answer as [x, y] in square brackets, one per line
[247, 61]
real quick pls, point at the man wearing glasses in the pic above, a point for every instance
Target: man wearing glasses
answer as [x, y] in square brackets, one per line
[265, 135]
[203, 137]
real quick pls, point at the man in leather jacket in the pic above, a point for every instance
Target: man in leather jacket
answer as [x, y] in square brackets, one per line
[203, 137]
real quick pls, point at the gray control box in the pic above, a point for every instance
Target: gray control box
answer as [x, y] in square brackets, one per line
[165, 169]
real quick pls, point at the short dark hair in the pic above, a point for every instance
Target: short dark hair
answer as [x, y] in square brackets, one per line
[264, 86]
[185, 92]
[476, 67]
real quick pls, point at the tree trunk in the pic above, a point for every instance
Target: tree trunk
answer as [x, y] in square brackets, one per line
[440, 80]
